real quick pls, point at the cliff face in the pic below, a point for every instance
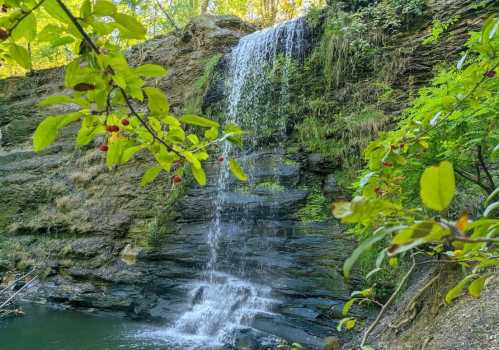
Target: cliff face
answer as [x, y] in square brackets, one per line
[62, 207]
[105, 243]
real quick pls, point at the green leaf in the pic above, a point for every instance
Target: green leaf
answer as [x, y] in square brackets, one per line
[20, 55]
[199, 175]
[156, 100]
[211, 134]
[150, 175]
[130, 28]
[25, 29]
[150, 70]
[115, 152]
[347, 306]
[475, 288]
[49, 33]
[193, 139]
[55, 10]
[490, 209]
[347, 323]
[130, 152]
[363, 247]
[454, 292]
[192, 160]
[54, 100]
[171, 121]
[46, 132]
[438, 186]
[235, 133]
[237, 171]
[85, 9]
[199, 121]
[104, 8]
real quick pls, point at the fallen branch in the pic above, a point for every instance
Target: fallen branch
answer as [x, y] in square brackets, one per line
[388, 303]
[19, 291]
[17, 280]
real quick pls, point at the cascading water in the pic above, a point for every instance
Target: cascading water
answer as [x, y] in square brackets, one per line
[225, 299]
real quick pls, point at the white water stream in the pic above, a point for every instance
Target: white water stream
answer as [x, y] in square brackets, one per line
[221, 301]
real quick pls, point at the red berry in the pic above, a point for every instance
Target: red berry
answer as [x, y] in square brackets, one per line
[387, 164]
[104, 148]
[490, 74]
[177, 179]
[125, 122]
[221, 158]
[112, 128]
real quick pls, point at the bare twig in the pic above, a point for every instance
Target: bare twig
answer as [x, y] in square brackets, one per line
[19, 291]
[463, 174]
[388, 303]
[168, 16]
[484, 166]
[17, 280]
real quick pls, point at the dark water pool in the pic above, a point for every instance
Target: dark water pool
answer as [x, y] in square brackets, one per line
[44, 328]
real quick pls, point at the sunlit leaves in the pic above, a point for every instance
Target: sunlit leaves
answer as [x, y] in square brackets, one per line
[129, 27]
[47, 130]
[150, 70]
[20, 55]
[199, 175]
[150, 175]
[26, 28]
[104, 8]
[199, 121]
[237, 171]
[106, 90]
[156, 100]
[438, 186]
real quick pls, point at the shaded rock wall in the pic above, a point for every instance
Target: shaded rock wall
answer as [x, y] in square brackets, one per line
[63, 206]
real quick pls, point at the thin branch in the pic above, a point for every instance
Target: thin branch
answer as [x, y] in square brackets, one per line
[26, 14]
[19, 291]
[484, 166]
[475, 240]
[145, 125]
[17, 280]
[388, 303]
[78, 26]
[168, 16]
[463, 174]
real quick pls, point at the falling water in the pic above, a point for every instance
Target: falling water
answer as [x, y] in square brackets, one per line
[224, 301]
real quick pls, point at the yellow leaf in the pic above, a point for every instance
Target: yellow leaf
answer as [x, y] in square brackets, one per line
[438, 186]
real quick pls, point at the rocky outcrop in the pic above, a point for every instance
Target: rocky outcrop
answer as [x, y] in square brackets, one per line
[101, 242]
[63, 209]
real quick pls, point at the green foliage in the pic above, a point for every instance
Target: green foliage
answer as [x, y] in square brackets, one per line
[454, 120]
[105, 89]
[315, 209]
[438, 28]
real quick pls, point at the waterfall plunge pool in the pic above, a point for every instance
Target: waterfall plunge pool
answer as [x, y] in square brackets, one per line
[46, 328]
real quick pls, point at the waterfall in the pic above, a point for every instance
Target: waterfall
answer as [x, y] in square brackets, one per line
[226, 299]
